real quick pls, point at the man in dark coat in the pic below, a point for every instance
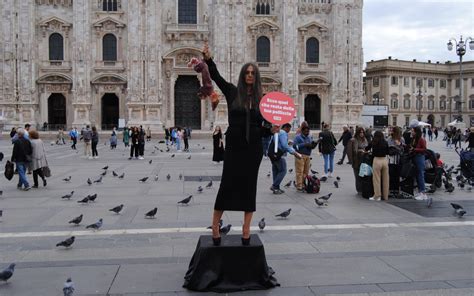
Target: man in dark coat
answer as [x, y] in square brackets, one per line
[21, 156]
[345, 138]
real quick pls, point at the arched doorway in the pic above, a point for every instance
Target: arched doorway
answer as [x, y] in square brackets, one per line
[56, 111]
[110, 111]
[312, 111]
[431, 119]
[187, 105]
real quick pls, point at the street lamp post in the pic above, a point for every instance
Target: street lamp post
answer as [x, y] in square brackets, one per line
[460, 51]
[419, 96]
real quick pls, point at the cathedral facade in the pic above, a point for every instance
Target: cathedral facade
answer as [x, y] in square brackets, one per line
[101, 62]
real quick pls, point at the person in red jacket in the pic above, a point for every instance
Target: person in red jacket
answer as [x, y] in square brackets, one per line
[418, 148]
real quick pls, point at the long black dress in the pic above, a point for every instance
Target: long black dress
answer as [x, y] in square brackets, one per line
[242, 158]
[218, 153]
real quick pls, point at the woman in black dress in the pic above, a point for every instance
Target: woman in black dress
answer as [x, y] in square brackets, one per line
[243, 147]
[218, 153]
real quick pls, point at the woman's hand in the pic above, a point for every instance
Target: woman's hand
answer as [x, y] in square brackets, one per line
[206, 53]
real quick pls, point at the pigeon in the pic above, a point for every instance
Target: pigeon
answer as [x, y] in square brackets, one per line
[89, 181]
[117, 209]
[76, 221]
[104, 173]
[84, 200]
[121, 176]
[200, 189]
[151, 160]
[92, 197]
[429, 202]
[261, 224]
[68, 196]
[224, 230]
[209, 185]
[7, 273]
[114, 174]
[450, 189]
[96, 225]
[288, 184]
[106, 167]
[459, 210]
[314, 172]
[172, 155]
[268, 174]
[290, 171]
[203, 147]
[167, 149]
[338, 178]
[318, 202]
[67, 179]
[221, 222]
[98, 180]
[168, 177]
[324, 179]
[156, 178]
[284, 214]
[143, 180]
[180, 176]
[66, 243]
[68, 288]
[336, 184]
[186, 200]
[326, 197]
[152, 213]
[1, 192]
[1, 213]
[189, 157]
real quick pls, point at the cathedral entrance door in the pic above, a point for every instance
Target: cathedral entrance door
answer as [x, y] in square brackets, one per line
[312, 111]
[110, 111]
[187, 105]
[56, 111]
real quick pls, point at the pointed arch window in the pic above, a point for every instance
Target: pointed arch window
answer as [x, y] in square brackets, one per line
[56, 47]
[262, 7]
[263, 49]
[109, 47]
[312, 51]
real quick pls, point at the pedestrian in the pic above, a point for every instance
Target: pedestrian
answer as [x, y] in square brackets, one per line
[424, 131]
[148, 134]
[218, 144]
[435, 131]
[126, 136]
[345, 138]
[60, 137]
[457, 138]
[12, 133]
[358, 151]
[179, 138]
[73, 134]
[173, 133]
[113, 139]
[87, 136]
[407, 135]
[448, 135]
[185, 139]
[243, 151]
[21, 156]
[303, 144]
[470, 140]
[38, 158]
[380, 176]
[430, 134]
[395, 148]
[94, 142]
[167, 135]
[418, 150]
[327, 147]
[134, 143]
[141, 143]
[279, 166]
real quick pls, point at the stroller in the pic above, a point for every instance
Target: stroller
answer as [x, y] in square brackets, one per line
[433, 173]
[467, 164]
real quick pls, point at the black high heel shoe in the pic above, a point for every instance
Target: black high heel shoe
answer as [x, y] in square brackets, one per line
[245, 241]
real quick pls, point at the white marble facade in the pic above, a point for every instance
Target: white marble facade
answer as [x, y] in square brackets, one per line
[153, 48]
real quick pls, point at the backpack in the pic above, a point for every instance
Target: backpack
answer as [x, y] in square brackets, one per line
[312, 184]
[271, 152]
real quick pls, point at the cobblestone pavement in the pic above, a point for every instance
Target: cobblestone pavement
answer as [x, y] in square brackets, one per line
[352, 246]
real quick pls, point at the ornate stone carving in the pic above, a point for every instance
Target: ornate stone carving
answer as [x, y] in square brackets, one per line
[55, 24]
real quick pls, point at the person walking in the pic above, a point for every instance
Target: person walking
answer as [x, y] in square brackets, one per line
[470, 139]
[60, 137]
[21, 157]
[113, 139]
[94, 142]
[345, 138]
[141, 143]
[327, 146]
[436, 133]
[148, 134]
[87, 136]
[167, 135]
[179, 137]
[303, 144]
[359, 143]
[430, 134]
[134, 143]
[73, 133]
[38, 158]
[380, 176]
[218, 143]
[126, 136]
[185, 139]
[279, 166]
[418, 149]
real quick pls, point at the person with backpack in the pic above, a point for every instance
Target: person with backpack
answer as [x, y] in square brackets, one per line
[279, 161]
[380, 175]
[327, 147]
[303, 144]
[21, 155]
[87, 136]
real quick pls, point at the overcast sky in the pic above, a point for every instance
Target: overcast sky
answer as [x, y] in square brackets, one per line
[416, 29]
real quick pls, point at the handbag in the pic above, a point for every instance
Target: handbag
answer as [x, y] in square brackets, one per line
[365, 170]
[9, 170]
[271, 152]
[46, 171]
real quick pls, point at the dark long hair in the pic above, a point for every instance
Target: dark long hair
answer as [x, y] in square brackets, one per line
[241, 99]
[417, 137]
[378, 138]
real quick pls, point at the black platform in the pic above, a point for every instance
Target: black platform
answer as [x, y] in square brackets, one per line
[229, 267]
